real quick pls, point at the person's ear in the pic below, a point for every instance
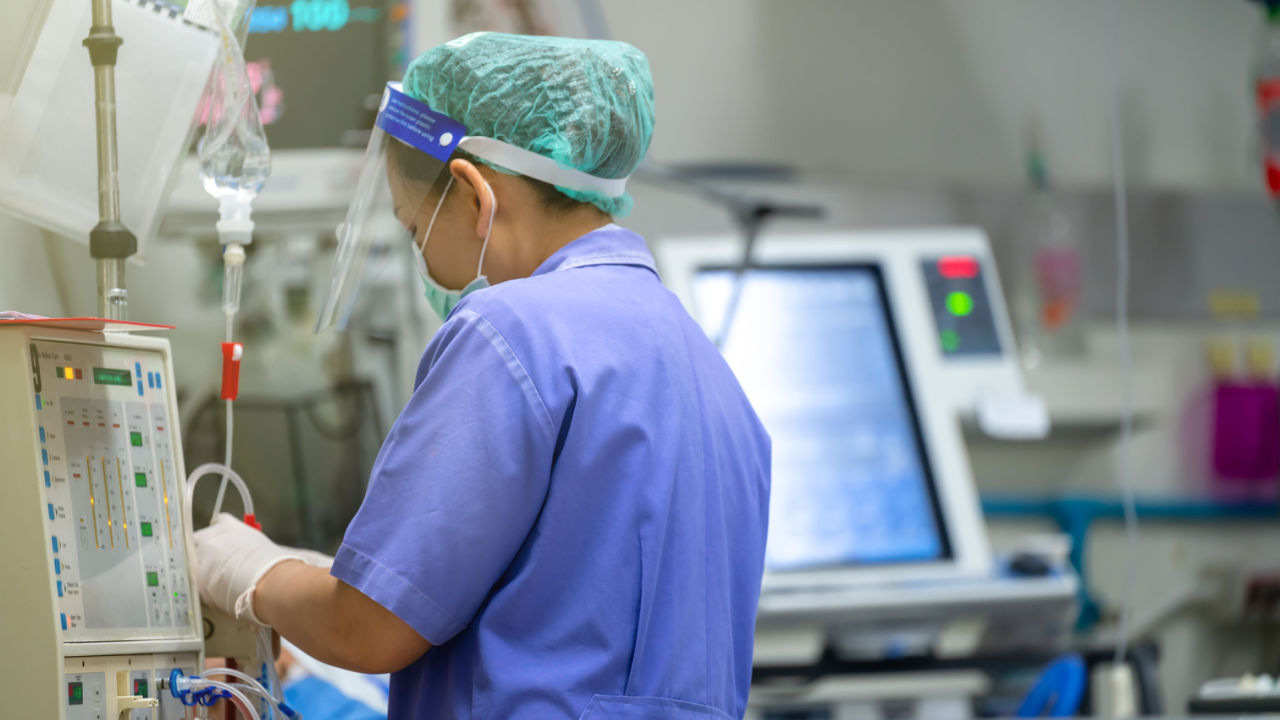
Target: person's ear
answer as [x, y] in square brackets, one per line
[482, 198]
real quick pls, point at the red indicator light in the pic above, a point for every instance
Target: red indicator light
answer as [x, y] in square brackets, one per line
[958, 267]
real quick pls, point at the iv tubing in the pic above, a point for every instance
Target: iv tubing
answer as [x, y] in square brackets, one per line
[258, 691]
[249, 710]
[233, 269]
[249, 684]
[210, 469]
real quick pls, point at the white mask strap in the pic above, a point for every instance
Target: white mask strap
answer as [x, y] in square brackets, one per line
[493, 212]
[434, 214]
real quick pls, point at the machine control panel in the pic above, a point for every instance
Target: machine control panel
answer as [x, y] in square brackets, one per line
[962, 311]
[113, 501]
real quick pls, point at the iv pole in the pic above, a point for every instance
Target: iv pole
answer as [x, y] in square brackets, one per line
[110, 242]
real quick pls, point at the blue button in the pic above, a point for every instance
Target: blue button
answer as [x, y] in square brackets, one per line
[137, 370]
[59, 588]
[44, 455]
[151, 380]
[39, 405]
[55, 543]
[64, 621]
[158, 376]
[57, 566]
[50, 511]
[41, 434]
[47, 481]
[139, 386]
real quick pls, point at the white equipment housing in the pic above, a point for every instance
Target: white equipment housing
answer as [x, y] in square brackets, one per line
[100, 604]
[958, 363]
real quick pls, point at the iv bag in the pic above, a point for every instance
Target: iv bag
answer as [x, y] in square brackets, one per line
[234, 157]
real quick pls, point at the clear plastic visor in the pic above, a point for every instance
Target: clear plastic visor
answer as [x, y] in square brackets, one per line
[406, 159]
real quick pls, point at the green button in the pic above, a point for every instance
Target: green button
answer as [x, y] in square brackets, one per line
[153, 579]
[135, 439]
[950, 340]
[146, 529]
[959, 303]
[140, 479]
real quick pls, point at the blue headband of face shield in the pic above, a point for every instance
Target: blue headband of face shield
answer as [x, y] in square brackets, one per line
[370, 221]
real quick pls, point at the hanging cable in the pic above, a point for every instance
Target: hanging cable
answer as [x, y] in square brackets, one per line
[1125, 474]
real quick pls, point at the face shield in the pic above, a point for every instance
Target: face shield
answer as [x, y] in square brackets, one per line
[409, 152]
[417, 143]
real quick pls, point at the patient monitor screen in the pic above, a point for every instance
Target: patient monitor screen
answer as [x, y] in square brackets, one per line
[816, 352]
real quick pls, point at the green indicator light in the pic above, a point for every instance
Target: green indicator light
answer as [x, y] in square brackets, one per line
[950, 340]
[135, 439]
[960, 304]
[153, 579]
[140, 479]
[140, 688]
[146, 529]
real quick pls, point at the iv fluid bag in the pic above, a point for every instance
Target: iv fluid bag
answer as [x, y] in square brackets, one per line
[234, 156]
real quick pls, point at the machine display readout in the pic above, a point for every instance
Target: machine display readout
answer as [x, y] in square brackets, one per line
[110, 476]
[108, 376]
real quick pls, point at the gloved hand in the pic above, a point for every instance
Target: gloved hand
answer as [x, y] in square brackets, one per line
[231, 558]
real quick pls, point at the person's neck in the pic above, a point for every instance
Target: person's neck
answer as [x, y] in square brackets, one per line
[548, 238]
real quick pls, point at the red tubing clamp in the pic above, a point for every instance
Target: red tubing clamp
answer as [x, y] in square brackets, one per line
[231, 354]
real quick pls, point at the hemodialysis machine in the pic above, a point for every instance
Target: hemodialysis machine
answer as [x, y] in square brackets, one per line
[100, 605]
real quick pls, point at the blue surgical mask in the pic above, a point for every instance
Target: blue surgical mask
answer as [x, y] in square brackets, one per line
[441, 299]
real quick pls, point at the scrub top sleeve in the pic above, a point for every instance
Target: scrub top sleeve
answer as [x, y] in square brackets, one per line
[456, 487]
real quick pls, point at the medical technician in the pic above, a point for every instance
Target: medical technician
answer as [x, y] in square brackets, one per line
[568, 518]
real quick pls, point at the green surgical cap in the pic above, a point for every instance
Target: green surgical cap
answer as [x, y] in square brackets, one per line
[587, 104]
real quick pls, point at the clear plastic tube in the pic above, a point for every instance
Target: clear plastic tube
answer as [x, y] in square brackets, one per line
[216, 468]
[258, 691]
[228, 672]
[273, 678]
[249, 683]
[195, 683]
[247, 707]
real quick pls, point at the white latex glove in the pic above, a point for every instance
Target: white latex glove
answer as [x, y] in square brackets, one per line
[231, 558]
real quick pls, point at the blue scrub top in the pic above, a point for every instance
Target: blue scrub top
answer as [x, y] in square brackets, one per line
[572, 507]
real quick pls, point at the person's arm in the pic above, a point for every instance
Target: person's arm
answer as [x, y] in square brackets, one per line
[333, 622]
